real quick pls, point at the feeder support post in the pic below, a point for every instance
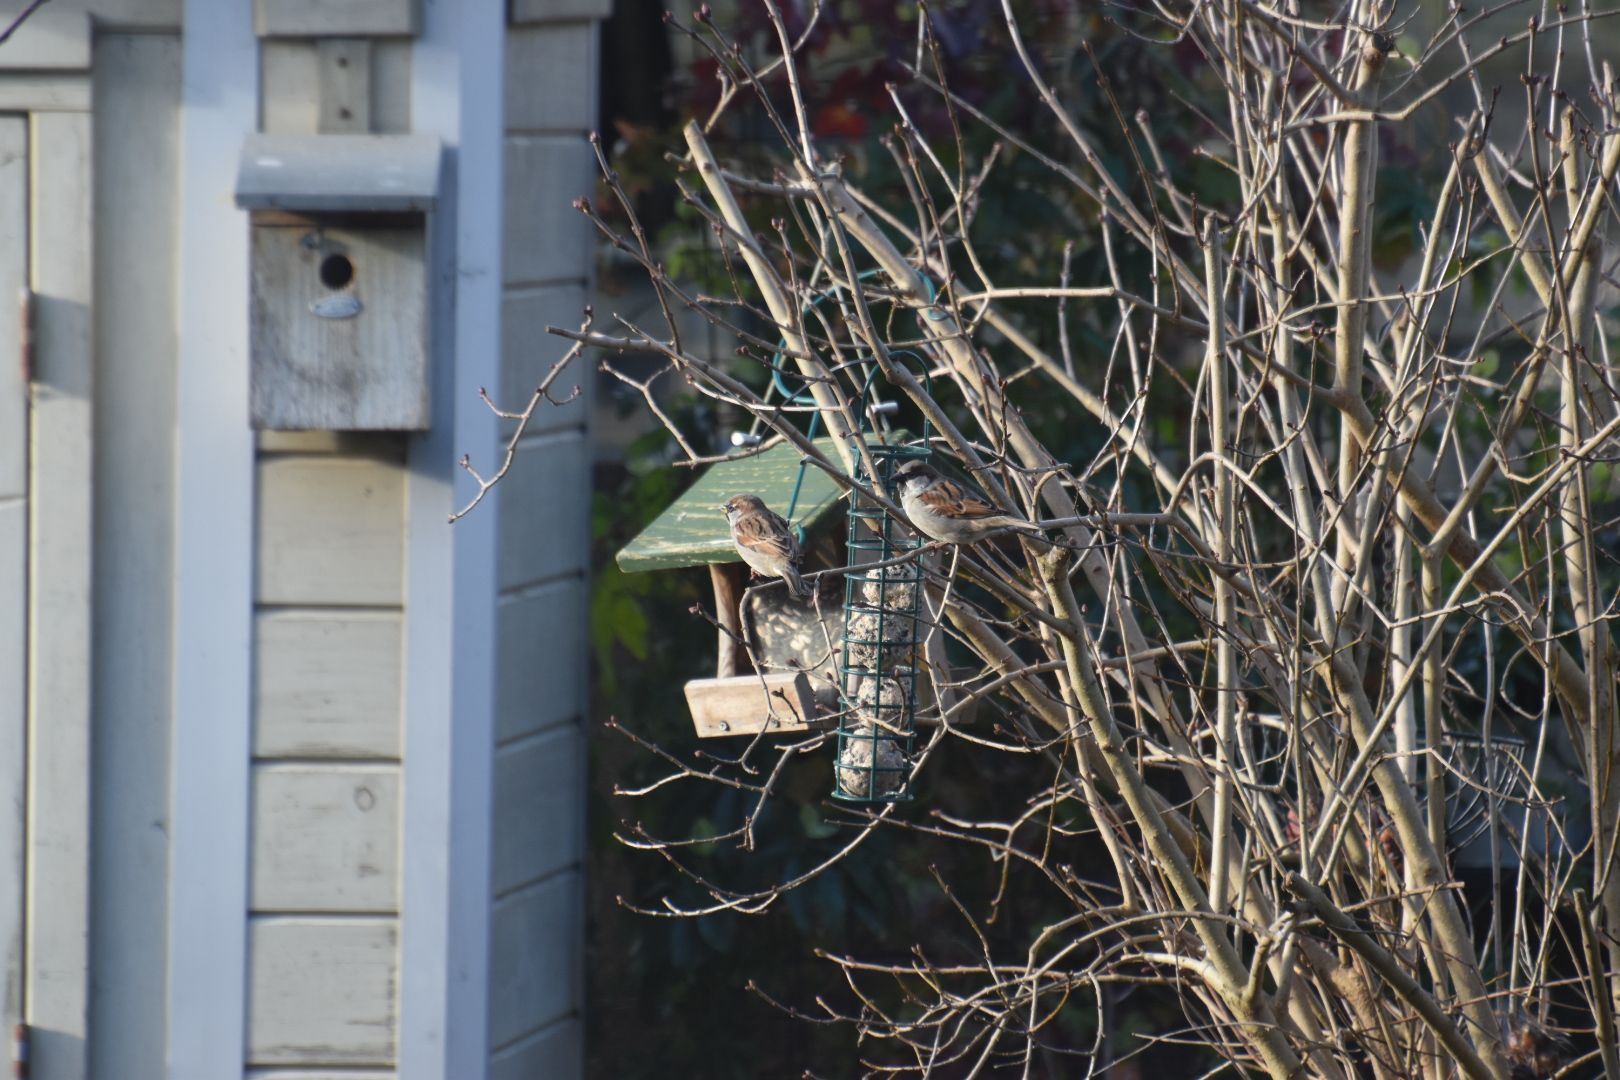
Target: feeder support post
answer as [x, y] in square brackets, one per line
[728, 588]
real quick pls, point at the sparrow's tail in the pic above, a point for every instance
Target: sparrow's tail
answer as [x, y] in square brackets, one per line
[796, 583]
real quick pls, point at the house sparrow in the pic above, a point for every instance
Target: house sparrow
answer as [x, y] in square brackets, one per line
[765, 540]
[944, 510]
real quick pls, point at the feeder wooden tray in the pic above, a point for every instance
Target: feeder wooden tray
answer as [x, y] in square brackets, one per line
[775, 703]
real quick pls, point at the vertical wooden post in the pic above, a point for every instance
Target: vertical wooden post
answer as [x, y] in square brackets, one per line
[729, 581]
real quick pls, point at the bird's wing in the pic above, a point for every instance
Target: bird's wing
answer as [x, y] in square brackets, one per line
[768, 534]
[949, 499]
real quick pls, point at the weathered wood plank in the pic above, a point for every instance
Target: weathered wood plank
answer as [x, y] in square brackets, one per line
[545, 509]
[322, 991]
[47, 41]
[57, 987]
[325, 838]
[13, 743]
[779, 701]
[330, 531]
[319, 1074]
[547, 240]
[391, 86]
[43, 92]
[539, 804]
[288, 78]
[345, 85]
[327, 684]
[13, 563]
[527, 353]
[556, 1052]
[539, 659]
[137, 153]
[13, 277]
[551, 77]
[534, 953]
[366, 370]
[329, 18]
[540, 11]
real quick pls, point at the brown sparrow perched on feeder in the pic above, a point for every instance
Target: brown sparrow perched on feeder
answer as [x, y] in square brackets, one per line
[944, 510]
[765, 540]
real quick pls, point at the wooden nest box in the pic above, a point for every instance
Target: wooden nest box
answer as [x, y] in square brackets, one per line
[797, 689]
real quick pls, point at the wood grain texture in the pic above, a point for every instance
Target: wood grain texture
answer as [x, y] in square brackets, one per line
[539, 807]
[59, 762]
[748, 704]
[322, 991]
[551, 77]
[330, 531]
[137, 153]
[545, 507]
[539, 659]
[534, 955]
[47, 40]
[289, 76]
[527, 353]
[327, 18]
[541, 11]
[320, 1074]
[367, 372]
[13, 745]
[325, 838]
[344, 78]
[555, 1051]
[13, 563]
[43, 92]
[547, 240]
[328, 684]
[13, 278]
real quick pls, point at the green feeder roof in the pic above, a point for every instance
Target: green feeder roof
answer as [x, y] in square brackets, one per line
[693, 531]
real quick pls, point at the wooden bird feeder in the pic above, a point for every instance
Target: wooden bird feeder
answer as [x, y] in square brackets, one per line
[693, 532]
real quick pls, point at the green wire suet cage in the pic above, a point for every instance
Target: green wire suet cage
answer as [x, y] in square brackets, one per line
[883, 634]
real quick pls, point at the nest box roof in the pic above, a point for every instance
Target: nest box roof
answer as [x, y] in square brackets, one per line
[339, 173]
[693, 531]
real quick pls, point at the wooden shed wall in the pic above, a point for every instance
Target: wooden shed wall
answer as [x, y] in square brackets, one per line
[537, 921]
[136, 91]
[323, 962]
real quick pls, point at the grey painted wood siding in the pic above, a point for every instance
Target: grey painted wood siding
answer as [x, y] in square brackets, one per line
[537, 924]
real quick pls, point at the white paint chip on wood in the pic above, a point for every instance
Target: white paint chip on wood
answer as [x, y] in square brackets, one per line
[534, 954]
[327, 684]
[539, 659]
[555, 1051]
[551, 77]
[547, 240]
[528, 352]
[330, 531]
[539, 804]
[322, 991]
[540, 534]
[325, 838]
